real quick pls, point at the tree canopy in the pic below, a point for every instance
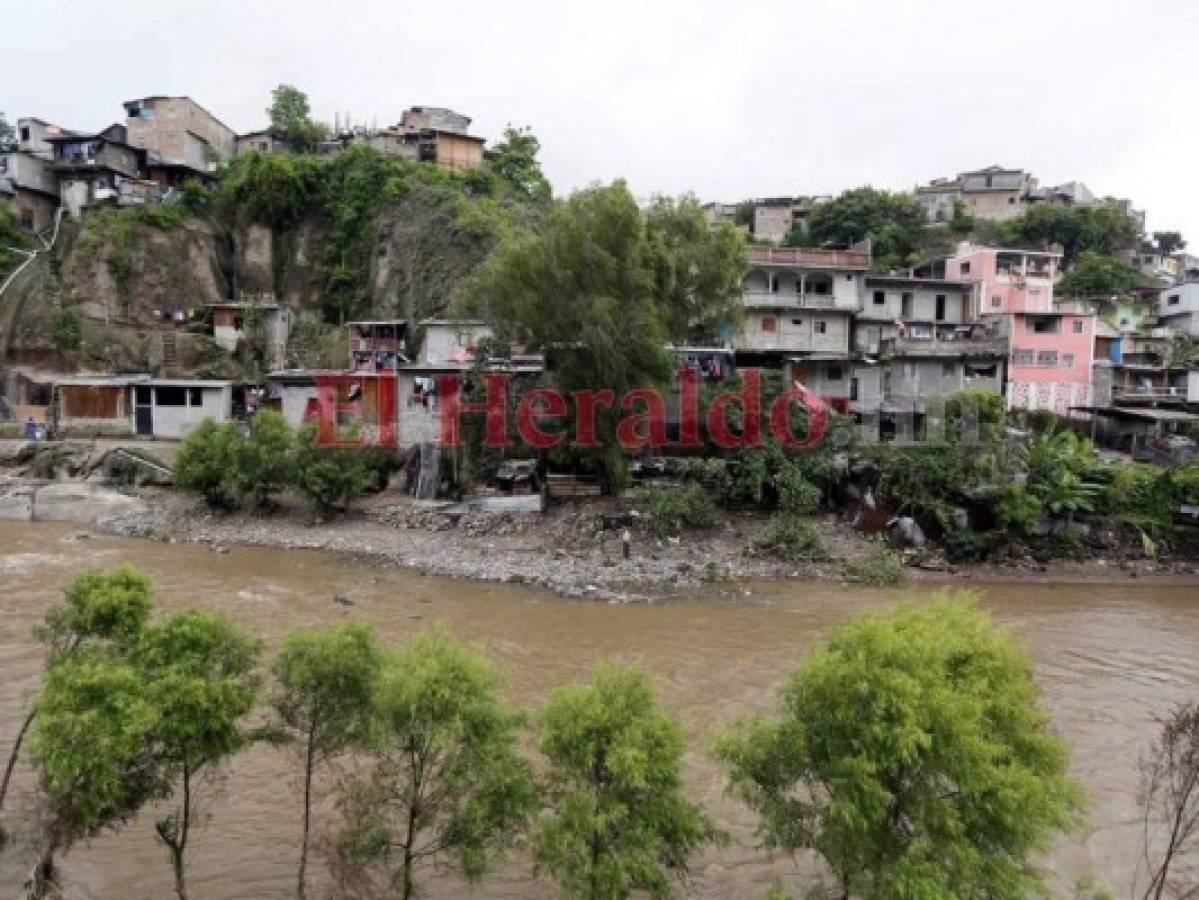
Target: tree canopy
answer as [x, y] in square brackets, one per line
[894, 223]
[514, 160]
[1103, 228]
[1096, 275]
[605, 286]
[913, 756]
[618, 821]
[291, 120]
[448, 784]
[8, 135]
[1169, 242]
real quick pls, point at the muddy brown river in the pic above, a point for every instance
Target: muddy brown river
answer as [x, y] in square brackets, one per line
[1108, 658]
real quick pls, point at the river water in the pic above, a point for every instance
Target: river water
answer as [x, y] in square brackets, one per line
[1107, 657]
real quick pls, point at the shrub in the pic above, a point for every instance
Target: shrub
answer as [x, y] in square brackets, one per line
[329, 478]
[791, 538]
[670, 510]
[1017, 508]
[1139, 493]
[963, 545]
[68, 330]
[262, 462]
[795, 493]
[205, 461]
[880, 567]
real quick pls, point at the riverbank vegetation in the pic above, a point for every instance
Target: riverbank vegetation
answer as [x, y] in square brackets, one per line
[910, 755]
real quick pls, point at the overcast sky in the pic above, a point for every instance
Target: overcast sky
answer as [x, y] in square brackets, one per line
[728, 99]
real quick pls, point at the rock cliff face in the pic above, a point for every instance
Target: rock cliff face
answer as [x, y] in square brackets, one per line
[128, 276]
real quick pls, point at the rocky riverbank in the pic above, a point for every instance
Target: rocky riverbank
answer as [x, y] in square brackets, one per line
[576, 549]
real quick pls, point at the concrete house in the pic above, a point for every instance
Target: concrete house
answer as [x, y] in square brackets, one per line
[234, 320]
[915, 343]
[180, 138]
[27, 176]
[996, 192]
[799, 307]
[92, 168]
[430, 134]
[1178, 308]
[125, 405]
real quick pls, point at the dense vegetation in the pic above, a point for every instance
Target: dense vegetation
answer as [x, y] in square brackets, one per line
[228, 467]
[911, 755]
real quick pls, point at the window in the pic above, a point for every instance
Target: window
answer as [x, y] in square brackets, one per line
[24, 133]
[768, 323]
[1077, 326]
[1023, 357]
[798, 322]
[1047, 358]
[879, 298]
[1044, 325]
[1174, 299]
[165, 395]
[849, 276]
[820, 326]
[195, 396]
[774, 284]
[948, 369]
[940, 307]
[996, 301]
[820, 284]
[833, 373]
[965, 268]
[1067, 360]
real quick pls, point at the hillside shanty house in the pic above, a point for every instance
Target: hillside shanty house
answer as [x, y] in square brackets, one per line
[137, 405]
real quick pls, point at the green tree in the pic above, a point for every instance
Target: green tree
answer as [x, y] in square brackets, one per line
[698, 270]
[514, 160]
[1169, 242]
[1096, 275]
[291, 120]
[200, 676]
[448, 780]
[603, 286]
[913, 756]
[329, 478]
[8, 135]
[91, 742]
[100, 608]
[262, 463]
[205, 462]
[618, 821]
[1102, 228]
[326, 685]
[893, 222]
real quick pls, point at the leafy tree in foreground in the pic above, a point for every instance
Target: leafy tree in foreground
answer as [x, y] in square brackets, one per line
[326, 684]
[448, 781]
[913, 756]
[618, 821]
[92, 742]
[199, 672]
[1169, 794]
[108, 607]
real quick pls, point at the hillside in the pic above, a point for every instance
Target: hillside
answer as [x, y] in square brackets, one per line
[356, 235]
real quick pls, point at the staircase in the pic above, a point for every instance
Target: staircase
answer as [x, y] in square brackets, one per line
[170, 352]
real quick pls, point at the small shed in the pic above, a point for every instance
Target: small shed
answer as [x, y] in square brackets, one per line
[94, 404]
[170, 408]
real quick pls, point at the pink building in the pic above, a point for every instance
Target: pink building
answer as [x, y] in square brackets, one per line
[1050, 346]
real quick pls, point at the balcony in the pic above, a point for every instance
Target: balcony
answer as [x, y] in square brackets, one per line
[791, 256]
[791, 300]
[1147, 394]
[942, 347]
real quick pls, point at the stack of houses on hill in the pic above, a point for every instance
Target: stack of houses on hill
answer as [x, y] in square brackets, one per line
[164, 141]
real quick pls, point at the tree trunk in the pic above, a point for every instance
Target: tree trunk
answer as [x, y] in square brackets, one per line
[44, 874]
[16, 752]
[179, 847]
[307, 812]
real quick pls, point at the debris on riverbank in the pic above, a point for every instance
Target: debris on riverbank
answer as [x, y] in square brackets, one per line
[575, 549]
